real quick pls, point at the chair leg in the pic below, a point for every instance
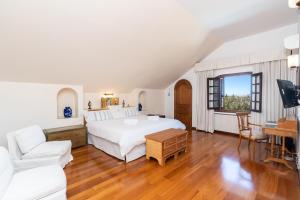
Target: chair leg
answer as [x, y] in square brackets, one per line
[249, 142]
[254, 144]
[240, 140]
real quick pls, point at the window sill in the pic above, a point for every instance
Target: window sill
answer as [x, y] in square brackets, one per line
[224, 113]
[227, 113]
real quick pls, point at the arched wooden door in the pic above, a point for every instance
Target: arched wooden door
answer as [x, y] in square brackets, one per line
[183, 102]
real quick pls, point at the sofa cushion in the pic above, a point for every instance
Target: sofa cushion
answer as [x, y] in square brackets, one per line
[49, 149]
[6, 171]
[29, 137]
[36, 183]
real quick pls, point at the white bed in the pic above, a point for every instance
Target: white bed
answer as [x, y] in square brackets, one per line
[126, 141]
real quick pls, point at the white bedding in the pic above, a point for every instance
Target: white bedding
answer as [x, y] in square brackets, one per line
[127, 136]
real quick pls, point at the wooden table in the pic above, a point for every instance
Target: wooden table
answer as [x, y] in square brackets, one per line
[164, 144]
[286, 127]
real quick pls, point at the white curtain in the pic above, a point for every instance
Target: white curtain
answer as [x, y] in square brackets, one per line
[272, 107]
[205, 117]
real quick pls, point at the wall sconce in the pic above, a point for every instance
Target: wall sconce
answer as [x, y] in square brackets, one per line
[292, 43]
[108, 95]
[293, 60]
[294, 3]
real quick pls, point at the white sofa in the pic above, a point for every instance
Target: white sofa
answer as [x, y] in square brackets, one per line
[28, 149]
[42, 183]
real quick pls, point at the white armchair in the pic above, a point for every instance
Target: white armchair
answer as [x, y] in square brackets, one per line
[28, 149]
[43, 183]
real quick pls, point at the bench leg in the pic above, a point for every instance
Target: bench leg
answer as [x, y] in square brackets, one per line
[176, 156]
[161, 162]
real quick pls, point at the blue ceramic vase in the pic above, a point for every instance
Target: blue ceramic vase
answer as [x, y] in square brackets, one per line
[68, 112]
[140, 107]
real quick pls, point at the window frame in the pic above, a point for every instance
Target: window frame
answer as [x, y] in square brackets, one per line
[221, 103]
[213, 93]
[259, 84]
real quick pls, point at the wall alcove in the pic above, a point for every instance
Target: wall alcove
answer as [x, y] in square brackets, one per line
[142, 99]
[67, 97]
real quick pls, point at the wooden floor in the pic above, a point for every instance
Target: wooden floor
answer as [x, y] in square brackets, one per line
[211, 169]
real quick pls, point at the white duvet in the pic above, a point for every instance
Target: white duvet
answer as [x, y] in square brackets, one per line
[130, 135]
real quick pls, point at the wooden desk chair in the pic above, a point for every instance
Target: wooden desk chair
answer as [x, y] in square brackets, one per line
[251, 132]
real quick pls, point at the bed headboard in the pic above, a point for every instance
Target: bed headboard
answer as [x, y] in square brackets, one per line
[106, 114]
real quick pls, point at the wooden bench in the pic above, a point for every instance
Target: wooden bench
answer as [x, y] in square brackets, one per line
[164, 144]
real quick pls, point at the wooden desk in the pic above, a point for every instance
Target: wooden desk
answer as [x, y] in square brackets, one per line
[286, 127]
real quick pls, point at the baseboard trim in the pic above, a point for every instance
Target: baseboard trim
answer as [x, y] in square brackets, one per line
[226, 133]
[216, 131]
[198, 130]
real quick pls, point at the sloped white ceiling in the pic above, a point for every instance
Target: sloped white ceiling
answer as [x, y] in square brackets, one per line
[232, 19]
[115, 45]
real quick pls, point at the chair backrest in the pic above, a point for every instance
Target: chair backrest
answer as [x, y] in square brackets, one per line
[13, 147]
[243, 120]
[23, 140]
[6, 171]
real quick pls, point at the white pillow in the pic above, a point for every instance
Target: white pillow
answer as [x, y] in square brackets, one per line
[90, 116]
[29, 137]
[132, 111]
[126, 112]
[118, 114]
[103, 115]
[108, 114]
[98, 116]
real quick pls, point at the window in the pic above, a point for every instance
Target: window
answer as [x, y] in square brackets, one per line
[214, 90]
[235, 92]
[256, 92]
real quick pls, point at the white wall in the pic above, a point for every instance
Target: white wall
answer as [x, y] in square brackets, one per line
[263, 45]
[67, 97]
[226, 122]
[154, 99]
[259, 44]
[24, 104]
[262, 42]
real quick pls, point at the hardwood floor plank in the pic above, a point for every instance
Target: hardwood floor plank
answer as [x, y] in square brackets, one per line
[211, 169]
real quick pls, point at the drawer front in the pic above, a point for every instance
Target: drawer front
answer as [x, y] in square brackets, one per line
[181, 145]
[169, 142]
[78, 133]
[170, 150]
[58, 136]
[78, 142]
[181, 138]
[78, 137]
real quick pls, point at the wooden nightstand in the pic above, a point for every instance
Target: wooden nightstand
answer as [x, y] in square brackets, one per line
[164, 144]
[77, 134]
